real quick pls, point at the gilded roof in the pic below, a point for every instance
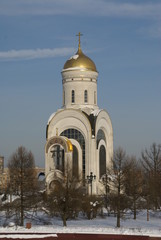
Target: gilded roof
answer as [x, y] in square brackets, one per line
[80, 61]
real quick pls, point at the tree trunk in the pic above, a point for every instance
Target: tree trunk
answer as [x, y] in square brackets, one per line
[22, 215]
[21, 197]
[147, 210]
[118, 219]
[64, 221]
[118, 211]
[134, 209]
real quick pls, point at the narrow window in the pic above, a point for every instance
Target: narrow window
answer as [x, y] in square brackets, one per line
[85, 96]
[102, 161]
[75, 162]
[94, 97]
[73, 96]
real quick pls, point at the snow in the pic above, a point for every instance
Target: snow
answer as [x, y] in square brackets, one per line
[102, 224]
[26, 236]
[52, 115]
[96, 112]
[74, 57]
[74, 68]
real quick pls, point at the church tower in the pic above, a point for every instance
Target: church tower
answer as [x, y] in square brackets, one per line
[79, 134]
[79, 82]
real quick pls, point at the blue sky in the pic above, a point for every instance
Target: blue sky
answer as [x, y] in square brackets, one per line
[123, 38]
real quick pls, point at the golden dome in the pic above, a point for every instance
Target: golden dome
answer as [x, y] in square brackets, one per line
[80, 61]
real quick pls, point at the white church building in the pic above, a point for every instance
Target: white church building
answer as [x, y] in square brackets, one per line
[79, 134]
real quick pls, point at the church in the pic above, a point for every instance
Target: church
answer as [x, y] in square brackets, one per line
[79, 135]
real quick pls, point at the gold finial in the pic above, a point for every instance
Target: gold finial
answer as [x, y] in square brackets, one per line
[79, 35]
[56, 131]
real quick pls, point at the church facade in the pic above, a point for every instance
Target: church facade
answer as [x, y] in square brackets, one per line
[80, 134]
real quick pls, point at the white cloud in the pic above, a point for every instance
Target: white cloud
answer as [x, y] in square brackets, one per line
[26, 54]
[79, 7]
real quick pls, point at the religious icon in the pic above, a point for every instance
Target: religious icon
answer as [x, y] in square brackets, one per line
[58, 157]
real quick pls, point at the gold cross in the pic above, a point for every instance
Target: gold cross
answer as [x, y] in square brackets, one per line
[79, 35]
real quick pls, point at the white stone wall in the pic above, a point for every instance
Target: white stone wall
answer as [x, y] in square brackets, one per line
[79, 81]
[104, 122]
[74, 118]
[69, 118]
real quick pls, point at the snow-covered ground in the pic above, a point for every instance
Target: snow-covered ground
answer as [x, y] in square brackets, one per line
[102, 225]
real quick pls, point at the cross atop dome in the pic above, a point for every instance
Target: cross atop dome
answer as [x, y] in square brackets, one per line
[79, 60]
[79, 35]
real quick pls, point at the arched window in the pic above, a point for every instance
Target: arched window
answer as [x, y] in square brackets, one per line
[73, 96]
[85, 96]
[95, 97]
[75, 162]
[100, 135]
[77, 135]
[102, 161]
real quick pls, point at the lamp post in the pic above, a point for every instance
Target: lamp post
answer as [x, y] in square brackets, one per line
[90, 179]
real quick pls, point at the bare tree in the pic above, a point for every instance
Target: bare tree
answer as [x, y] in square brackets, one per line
[23, 181]
[133, 181]
[118, 181]
[151, 162]
[105, 180]
[65, 198]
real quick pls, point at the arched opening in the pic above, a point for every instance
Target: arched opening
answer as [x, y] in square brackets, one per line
[85, 96]
[72, 133]
[75, 162]
[95, 97]
[55, 185]
[100, 136]
[73, 96]
[41, 176]
[102, 160]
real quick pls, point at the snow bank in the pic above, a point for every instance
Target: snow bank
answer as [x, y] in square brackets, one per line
[101, 225]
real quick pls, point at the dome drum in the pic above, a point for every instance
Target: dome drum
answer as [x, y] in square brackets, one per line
[79, 74]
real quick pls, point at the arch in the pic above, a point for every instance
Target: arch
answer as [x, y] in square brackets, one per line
[102, 161]
[41, 176]
[55, 185]
[55, 175]
[64, 142]
[73, 133]
[68, 118]
[100, 136]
